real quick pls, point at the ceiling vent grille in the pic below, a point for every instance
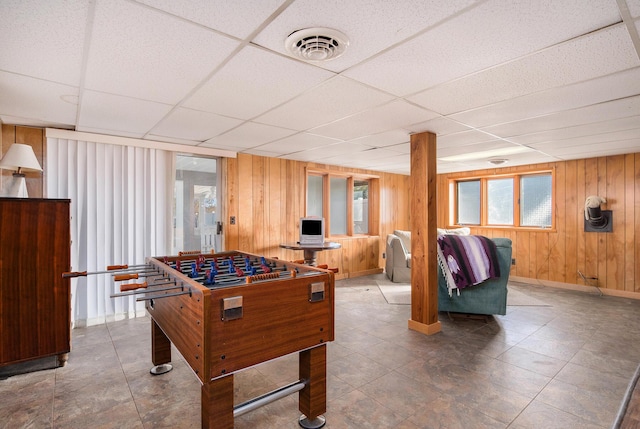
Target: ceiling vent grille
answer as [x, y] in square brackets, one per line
[316, 44]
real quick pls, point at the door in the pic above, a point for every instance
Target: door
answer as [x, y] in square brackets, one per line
[196, 215]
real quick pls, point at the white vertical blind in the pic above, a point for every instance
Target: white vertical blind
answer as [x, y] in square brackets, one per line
[121, 201]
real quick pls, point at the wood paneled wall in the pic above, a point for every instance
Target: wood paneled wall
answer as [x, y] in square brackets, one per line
[266, 197]
[33, 137]
[557, 256]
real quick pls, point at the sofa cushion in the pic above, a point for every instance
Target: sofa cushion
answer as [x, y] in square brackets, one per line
[405, 237]
[455, 231]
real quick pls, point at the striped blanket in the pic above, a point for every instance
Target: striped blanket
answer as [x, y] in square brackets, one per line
[467, 260]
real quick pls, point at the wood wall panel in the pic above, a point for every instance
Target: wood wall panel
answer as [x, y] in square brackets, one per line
[557, 255]
[635, 285]
[571, 212]
[267, 197]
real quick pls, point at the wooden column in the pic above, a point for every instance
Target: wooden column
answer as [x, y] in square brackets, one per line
[424, 265]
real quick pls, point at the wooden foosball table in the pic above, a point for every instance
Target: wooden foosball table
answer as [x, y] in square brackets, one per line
[229, 311]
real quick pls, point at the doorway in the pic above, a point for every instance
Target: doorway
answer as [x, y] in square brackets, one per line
[196, 215]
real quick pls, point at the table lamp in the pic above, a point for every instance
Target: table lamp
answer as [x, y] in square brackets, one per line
[19, 157]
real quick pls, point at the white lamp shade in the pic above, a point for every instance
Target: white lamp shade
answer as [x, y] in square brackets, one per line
[20, 156]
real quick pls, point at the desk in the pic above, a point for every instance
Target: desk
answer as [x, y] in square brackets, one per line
[311, 250]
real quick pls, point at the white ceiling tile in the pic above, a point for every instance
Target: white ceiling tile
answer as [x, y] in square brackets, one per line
[238, 18]
[489, 34]
[611, 126]
[237, 90]
[340, 149]
[332, 100]
[484, 150]
[605, 139]
[249, 135]
[166, 139]
[194, 124]
[562, 76]
[43, 39]
[149, 55]
[27, 97]
[298, 142]
[119, 114]
[384, 118]
[386, 139]
[529, 158]
[30, 122]
[634, 8]
[376, 153]
[370, 26]
[463, 138]
[440, 126]
[597, 54]
[110, 131]
[596, 149]
[404, 148]
[611, 110]
[618, 85]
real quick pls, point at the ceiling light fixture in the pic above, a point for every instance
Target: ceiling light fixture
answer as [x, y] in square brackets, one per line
[486, 154]
[498, 161]
[316, 44]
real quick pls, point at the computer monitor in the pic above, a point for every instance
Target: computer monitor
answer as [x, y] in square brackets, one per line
[311, 231]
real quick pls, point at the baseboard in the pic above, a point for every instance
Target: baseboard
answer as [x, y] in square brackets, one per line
[84, 323]
[576, 287]
[359, 273]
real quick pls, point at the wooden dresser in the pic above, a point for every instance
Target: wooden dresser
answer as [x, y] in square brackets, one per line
[35, 301]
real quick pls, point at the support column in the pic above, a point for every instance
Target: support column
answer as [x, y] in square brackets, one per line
[424, 264]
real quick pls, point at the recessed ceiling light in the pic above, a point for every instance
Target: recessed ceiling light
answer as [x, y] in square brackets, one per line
[498, 161]
[316, 44]
[487, 154]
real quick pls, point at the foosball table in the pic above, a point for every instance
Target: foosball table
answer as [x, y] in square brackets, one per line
[229, 311]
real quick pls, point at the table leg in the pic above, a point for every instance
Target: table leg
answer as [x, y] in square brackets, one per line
[313, 398]
[217, 403]
[310, 257]
[160, 350]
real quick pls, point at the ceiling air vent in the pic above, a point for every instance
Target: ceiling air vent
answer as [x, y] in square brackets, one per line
[316, 44]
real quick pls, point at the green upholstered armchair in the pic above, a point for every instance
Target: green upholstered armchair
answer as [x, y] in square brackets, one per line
[488, 297]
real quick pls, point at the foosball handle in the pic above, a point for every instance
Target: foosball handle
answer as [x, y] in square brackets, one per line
[117, 267]
[74, 274]
[132, 286]
[122, 277]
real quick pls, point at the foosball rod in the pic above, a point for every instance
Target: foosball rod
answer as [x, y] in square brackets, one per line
[144, 290]
[112, 269]
[147, 298]
[134, 276]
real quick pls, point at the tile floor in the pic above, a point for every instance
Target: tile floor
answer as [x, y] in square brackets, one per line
[565, 365]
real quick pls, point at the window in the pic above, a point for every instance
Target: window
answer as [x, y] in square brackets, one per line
[361, 206]
[500, 201]
[343, 200]
[535, 201]
[469, 202]
[521, 200]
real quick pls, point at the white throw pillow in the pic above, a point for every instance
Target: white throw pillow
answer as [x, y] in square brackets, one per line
[405, 237]
[458, 231]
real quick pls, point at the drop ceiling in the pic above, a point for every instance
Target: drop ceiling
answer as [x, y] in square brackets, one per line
[530, 81]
